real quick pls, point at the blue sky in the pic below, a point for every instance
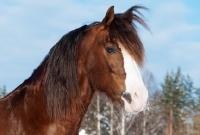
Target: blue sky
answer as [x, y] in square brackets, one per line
[28, 29]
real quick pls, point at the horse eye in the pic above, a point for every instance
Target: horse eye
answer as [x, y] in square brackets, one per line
[111, 49]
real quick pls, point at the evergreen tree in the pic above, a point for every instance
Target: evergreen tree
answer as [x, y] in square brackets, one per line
[177, 101]
[3, 91]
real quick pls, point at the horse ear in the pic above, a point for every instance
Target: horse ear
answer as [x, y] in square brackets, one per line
[109, 17]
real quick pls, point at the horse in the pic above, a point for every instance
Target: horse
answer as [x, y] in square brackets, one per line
[103, 56]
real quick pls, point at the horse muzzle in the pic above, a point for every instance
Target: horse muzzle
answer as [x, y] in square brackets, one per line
[136, 101]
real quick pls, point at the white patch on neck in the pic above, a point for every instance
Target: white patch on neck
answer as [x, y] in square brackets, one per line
[134, 85]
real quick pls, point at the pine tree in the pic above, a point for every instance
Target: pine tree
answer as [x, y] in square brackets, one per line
[3, 91]
[177, 101]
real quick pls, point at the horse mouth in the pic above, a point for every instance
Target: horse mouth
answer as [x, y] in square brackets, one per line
[130, 105]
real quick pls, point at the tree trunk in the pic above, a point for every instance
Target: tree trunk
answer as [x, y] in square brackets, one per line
[144, 124]
[171, 119]
[111, 119]
[167, 128]
[123, 124]
[136, 127]
[171, 122]
[98, 116]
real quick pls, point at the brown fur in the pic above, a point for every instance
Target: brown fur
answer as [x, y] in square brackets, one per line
[55, 98]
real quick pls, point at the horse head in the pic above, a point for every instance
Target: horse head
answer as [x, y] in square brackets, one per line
[109, 54]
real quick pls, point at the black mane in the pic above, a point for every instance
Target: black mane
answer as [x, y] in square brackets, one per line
[62, 86]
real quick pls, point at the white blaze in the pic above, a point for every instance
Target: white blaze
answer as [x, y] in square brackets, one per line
[134, 85]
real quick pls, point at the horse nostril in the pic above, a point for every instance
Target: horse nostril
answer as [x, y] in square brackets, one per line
[127, 96]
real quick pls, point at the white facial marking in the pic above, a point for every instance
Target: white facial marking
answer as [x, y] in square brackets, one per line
[134, 85]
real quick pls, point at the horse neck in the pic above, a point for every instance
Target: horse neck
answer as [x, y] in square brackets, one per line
[26, 103]
[73, 121]
[86, 97]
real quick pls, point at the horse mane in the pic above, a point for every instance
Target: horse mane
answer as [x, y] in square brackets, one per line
[61, 85]
[124, 30]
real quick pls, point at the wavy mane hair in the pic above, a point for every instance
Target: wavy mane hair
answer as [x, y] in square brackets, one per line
[62, 86]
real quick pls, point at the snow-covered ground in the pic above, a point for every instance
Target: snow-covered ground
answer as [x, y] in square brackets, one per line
[82, 132]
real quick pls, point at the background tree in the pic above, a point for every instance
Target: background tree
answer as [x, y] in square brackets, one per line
[3, 91]
[177, 101]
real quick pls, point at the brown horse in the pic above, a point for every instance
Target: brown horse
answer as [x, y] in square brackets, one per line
[102, 56]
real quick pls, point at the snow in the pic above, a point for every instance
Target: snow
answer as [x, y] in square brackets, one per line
[82, 132]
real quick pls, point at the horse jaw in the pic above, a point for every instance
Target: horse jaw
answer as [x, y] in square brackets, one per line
[134, 86]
